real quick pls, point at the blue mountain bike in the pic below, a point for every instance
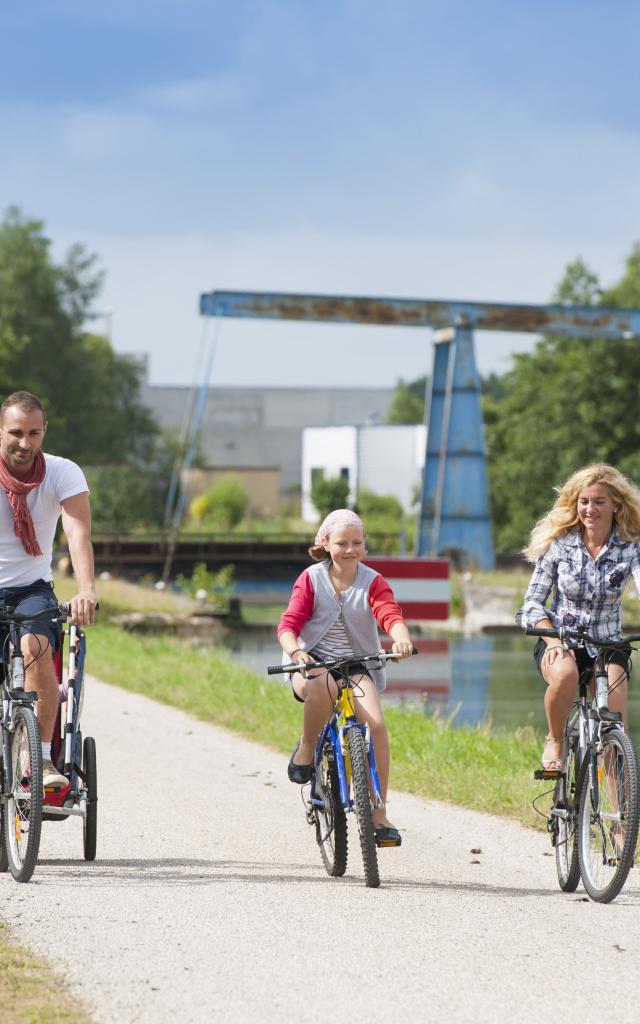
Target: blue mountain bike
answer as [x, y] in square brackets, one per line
[345, 776]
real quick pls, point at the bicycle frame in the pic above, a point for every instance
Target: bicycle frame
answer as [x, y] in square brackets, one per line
[335, 730]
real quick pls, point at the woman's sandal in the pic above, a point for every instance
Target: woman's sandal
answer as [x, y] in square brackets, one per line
[552, 764]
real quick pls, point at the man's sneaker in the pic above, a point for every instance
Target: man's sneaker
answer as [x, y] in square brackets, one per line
[51, 777]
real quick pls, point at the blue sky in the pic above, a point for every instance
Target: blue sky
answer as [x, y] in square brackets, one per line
[441, 150]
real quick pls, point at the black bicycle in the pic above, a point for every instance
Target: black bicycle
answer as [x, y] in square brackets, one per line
[596, 803]
[21, 792]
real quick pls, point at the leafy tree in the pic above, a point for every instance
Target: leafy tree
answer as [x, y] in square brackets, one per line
[568, 403]
[627, 292]
[92, 395]
[120, 498]
[328, 493]
[407, 402]
[579, 286]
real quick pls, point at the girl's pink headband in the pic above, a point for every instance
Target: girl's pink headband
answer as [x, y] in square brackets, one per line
[339, 517]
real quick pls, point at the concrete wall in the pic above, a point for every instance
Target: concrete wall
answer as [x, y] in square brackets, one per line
[263, 426]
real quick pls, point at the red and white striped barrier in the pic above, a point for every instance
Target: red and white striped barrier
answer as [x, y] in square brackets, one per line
[422, 586]
[428, 672]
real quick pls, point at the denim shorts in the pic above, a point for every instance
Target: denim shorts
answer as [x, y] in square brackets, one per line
[34, 597]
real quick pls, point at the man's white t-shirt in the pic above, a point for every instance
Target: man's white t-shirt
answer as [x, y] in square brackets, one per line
[63, 479]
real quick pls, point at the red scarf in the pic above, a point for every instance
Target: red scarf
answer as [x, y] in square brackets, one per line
[17, 488]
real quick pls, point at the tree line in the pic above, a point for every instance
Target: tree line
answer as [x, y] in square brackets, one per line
[567, 403]
[91, 394]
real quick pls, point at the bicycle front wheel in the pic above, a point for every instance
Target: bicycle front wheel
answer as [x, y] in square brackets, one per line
[362, 802]
[607, 826]
[330, 817]
[566, 811]
[23, 807]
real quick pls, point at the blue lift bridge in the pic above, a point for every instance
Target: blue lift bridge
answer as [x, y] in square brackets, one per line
[454, 512]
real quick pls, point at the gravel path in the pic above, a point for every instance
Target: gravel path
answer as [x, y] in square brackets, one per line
[209, 903]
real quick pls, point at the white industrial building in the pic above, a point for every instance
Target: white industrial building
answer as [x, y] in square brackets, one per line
[382, 458]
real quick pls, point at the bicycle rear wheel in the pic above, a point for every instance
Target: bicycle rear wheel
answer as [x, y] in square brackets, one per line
[330, 817]
[4, 860]
[566, 803]
[23, 807]
[362, 801]
[607, 827]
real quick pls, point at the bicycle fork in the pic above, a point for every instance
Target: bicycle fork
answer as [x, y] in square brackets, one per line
[336, 735]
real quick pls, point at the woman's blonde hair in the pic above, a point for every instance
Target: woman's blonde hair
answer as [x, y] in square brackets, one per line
[563, 515]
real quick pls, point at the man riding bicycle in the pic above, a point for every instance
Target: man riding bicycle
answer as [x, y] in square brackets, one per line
[35, 490]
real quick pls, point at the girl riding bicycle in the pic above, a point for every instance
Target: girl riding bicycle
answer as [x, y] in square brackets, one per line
[585, 548]
[334, 610]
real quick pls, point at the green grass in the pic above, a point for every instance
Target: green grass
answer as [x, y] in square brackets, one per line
[29, 991]
[473, 767]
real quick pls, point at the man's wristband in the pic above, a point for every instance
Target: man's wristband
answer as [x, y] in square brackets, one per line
[291, 653]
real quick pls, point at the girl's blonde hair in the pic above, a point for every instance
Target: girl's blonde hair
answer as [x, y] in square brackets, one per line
[563, 515]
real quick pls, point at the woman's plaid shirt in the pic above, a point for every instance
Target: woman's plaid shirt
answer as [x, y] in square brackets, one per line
[586, 591]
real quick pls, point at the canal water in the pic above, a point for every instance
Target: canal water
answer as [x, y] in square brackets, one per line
[468, 679]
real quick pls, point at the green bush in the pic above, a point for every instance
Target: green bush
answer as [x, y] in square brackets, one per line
[223, 505]
[217, 585]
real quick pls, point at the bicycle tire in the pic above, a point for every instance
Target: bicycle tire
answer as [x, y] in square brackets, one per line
[566, 798]
[4, 860]
[330, 819]
[90, 819]
[362, 803]
[606, 851]
[23, 807]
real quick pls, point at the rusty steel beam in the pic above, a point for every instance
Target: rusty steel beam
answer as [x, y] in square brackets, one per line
[568, 321]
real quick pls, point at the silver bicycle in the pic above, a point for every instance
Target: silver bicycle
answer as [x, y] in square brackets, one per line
[595, 813]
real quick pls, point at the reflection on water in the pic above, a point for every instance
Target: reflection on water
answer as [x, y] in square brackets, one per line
[474, 679]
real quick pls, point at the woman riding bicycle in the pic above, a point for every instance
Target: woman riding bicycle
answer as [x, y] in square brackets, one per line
[584, 550]
[333, 612]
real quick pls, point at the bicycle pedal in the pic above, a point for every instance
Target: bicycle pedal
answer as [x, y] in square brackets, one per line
[546, 773]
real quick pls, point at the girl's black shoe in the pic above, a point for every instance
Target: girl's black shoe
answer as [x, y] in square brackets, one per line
[299, 773]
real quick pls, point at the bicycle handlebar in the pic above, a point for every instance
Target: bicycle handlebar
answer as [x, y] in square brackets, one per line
[338, 663]
[58, 613]
[579, 637]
